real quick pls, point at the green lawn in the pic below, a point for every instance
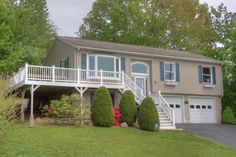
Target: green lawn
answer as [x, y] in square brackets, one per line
[72, 141]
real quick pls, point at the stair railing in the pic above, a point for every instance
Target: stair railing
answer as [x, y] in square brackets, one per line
[133, 87]
[166, 107]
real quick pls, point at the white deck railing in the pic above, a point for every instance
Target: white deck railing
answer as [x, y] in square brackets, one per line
[166, 107]
[131, 85]
[46, 75]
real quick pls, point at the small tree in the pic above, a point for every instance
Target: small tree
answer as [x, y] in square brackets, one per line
[148, 116]
[102, 109]
[128, 108]
[228, 116]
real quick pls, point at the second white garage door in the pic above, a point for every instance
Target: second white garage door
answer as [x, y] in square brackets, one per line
[176, 102]
[202, 110]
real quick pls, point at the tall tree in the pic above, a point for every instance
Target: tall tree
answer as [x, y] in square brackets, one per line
[30, 33]
[181, 25]
[6, 27]
[224, 24]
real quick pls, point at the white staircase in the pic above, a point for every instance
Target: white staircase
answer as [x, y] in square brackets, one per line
[165, 121]
[166, 114]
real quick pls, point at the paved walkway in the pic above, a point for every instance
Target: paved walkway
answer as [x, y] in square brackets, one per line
[225, 134]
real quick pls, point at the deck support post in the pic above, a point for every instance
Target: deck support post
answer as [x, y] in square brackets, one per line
[81, 91]
[22, 109]
[32, 90]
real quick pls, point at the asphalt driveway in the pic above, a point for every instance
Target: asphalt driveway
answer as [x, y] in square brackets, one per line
[225, 134]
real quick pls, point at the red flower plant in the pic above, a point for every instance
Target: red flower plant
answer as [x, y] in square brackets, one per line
[117, 116]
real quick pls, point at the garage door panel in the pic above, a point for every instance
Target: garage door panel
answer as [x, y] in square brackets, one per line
[202, 110]
[176, 103]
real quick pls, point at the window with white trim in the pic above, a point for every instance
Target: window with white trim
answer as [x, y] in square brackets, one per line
[139, 68]
[103, 62]
[169, 71]
[206, 75]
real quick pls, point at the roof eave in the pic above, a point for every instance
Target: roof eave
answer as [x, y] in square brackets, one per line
[156, 55]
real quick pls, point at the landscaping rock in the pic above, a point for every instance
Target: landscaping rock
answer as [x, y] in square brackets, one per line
[124, 125]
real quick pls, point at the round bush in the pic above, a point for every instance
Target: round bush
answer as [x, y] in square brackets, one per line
[148, 115]
[128, 108]
[102, 109]
[228, 116]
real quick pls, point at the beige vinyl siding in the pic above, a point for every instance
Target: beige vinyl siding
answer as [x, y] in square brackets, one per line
[189, 83]
[188, 71]
[189, 79]
[60, 51]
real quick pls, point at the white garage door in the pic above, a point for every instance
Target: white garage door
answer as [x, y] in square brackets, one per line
[176, 103]
[202, 110]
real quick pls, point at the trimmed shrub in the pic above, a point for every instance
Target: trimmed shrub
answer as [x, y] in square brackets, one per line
[148, 116]
[128, 108]
[228, 116]
[102, 109]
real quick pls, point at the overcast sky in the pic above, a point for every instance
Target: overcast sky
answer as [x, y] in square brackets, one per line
[68, 15]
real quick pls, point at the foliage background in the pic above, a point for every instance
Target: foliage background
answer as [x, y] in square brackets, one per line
[26, 33]
[182, 25]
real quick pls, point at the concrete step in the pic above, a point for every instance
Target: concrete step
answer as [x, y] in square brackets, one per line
[167, 127]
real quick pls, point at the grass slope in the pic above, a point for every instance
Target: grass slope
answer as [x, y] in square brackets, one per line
[85, 141]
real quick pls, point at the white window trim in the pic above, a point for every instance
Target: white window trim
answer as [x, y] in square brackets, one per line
[96, 76]
[207, 74]
[143, 74]
[108, 56]
[174, 80]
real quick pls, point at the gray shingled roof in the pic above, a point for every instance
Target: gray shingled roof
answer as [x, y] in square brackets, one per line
[110, 46]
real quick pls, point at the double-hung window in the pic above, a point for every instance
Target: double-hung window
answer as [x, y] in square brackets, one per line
[169, 71]
[206, 75]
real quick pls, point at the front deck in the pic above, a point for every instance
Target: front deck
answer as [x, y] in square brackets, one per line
[67, 77]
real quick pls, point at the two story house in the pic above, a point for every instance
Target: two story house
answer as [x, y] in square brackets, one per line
[186, 87]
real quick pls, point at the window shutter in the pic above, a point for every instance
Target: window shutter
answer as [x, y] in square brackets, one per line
[122, 60]
[213, 75]
[84, 61]
[162, 71]
[200, 73]
[67, 62]
[177, 71]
